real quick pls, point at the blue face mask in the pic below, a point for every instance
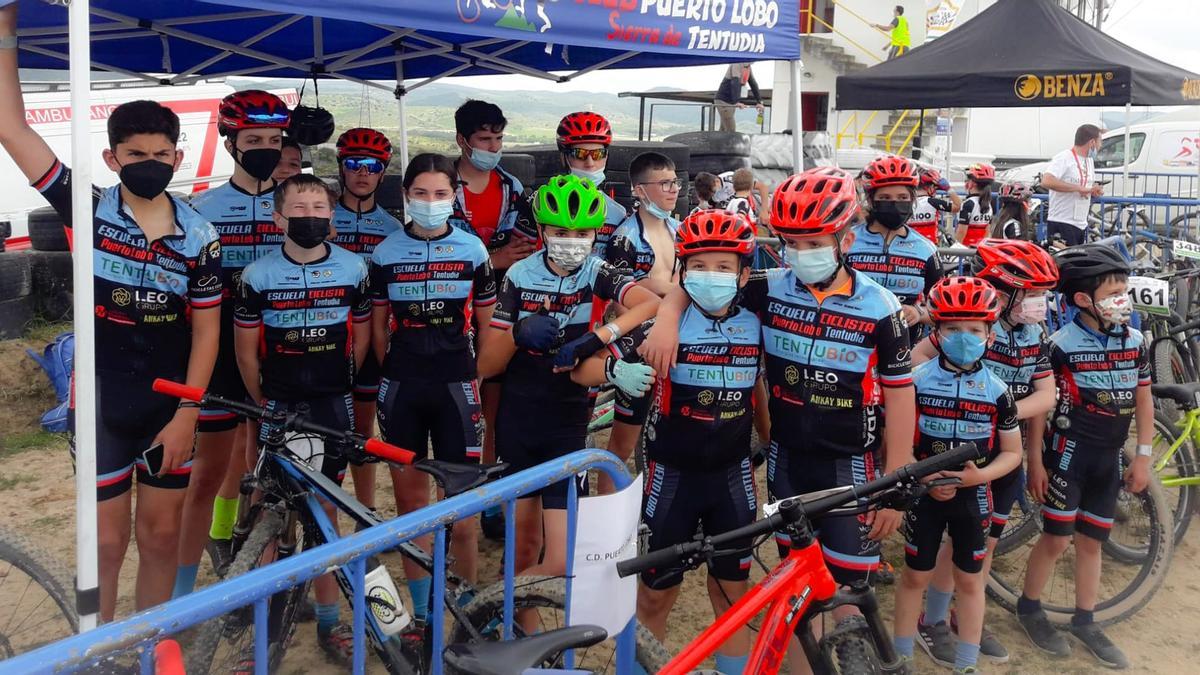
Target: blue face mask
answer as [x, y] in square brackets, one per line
[485, 160]
[712, 291]
[430, 215]
[597, 177]
[812, 266]
[963, 349]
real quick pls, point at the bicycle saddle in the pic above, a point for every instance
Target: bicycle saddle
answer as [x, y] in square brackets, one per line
[516, 656]
[1183, 394]
[456, 478]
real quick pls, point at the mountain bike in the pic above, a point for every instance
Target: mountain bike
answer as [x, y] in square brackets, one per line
[801, 587]
[36, 603]
[288, 517]
[1174, 458]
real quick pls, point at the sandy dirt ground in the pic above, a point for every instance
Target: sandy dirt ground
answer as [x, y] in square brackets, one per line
[37, 499]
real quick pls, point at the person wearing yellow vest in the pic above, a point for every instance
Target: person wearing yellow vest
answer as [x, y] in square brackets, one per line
[899, 33]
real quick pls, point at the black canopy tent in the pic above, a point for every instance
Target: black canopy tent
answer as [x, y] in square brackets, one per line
[1019, 53]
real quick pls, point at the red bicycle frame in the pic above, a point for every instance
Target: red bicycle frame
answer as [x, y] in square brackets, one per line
[796, 582]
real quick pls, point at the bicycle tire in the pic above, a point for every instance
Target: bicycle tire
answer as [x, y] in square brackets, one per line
[1171, 366]
[283, 605]
[1130, 599]
[853, 650]
[486, 615]
[1020, 529]
[1181, 500]
[17, 551]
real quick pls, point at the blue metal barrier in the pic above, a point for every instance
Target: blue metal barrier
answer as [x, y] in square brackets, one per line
[142, 630]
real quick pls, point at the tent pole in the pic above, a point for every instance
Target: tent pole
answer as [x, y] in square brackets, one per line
[402, 114]
[87, 590]
[796, 117]
[1125, 161]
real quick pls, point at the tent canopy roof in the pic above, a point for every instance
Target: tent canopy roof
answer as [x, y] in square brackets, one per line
[362, 40]
[1019, 53]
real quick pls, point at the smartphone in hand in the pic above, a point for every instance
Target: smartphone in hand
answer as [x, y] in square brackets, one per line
[153, 457]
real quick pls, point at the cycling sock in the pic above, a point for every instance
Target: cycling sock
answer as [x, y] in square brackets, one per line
[327, 616]
[965, 654]
[1082, 617]
[1027, 606]
[904, 645]
[731, 665]
[937, 605]
[224, 516]
[185, 580]
[419, 590]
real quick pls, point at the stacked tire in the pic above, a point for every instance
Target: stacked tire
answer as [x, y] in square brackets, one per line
[36, 283]
[771, 158]
[713, 152]
[547, 162]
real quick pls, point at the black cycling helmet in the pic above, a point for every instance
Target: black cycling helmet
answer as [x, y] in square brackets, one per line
[1079, 264]
[310, 126]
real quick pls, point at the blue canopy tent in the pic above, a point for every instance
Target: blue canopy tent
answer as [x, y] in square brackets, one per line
[182, 41]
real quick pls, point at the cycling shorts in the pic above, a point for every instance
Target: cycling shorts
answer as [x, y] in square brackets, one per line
[366, 379]
[1005, 492]
[413, 412]
[226, 382]
[531, 431]
[676, 502]
[966, 518]
[850, 555]
[130, 416]
[630, 410]
[1082, 488]
[334, 412]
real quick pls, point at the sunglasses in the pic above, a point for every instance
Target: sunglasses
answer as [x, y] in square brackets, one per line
[372, 165]
[666, 185]
[268, 118]
[587, 153]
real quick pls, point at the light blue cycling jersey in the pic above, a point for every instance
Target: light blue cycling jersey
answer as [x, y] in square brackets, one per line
[361, 232]
[629, 251]
[955, 407]
[907, 266]
[245, 224]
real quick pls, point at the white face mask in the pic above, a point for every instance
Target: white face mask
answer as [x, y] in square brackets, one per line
[813, 265]
[1030, 310]
[568, 252]
[597, 177]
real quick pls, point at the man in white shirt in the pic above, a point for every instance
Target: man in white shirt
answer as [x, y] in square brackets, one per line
[1070, 177]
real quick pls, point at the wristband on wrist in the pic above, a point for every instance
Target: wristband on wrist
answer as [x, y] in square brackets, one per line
[1145, 450]
[614, 331]
[8, 42]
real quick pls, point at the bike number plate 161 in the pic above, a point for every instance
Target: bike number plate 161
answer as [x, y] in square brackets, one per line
[1150, 295]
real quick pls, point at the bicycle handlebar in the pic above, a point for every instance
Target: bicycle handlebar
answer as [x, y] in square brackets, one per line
[373, 446]
[798, 509]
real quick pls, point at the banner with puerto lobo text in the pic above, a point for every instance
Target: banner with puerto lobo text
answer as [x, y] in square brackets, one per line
[605, 534]
[939, 17]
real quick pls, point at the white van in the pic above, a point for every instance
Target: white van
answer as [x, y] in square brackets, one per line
[1165, 156]
[205, 162]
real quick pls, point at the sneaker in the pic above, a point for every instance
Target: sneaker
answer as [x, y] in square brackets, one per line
[492, 525]
[969, 670]
[989, 645]
[937, 642]
[220, 553]
[1043, 634]
[1107, 653]
[904, 666]
[338, 644]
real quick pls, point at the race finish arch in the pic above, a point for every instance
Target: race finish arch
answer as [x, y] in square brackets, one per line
[1020, 53]
[413, 42]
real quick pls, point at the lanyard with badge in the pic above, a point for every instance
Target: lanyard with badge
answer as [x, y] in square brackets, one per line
[1082, 203]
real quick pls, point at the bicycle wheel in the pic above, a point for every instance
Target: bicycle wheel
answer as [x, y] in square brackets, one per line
[851, 648]
[1124, 588]
[547, 595]
[1180, 498]
[224, 641]
[35, 605]
[1024, 523]
[1172, 365]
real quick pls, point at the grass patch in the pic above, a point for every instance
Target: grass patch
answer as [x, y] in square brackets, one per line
[10, 482]
[40, 331]
[47, 522]
[12, 444]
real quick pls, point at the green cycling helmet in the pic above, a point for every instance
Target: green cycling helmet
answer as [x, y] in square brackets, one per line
[569, 202]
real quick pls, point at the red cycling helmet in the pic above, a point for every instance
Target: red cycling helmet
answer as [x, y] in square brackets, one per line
[889, 170]
[981, 173]
[362, 142]
[714, 231]
[251, 109]
[583, 127]
[815, 202]
[1016, 264]
[1015, 191]
[929, 178]
[964, 299]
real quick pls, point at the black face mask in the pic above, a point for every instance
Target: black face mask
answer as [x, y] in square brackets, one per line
[308, 231]
[892, 215]
[259, 163]
[147, 178]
